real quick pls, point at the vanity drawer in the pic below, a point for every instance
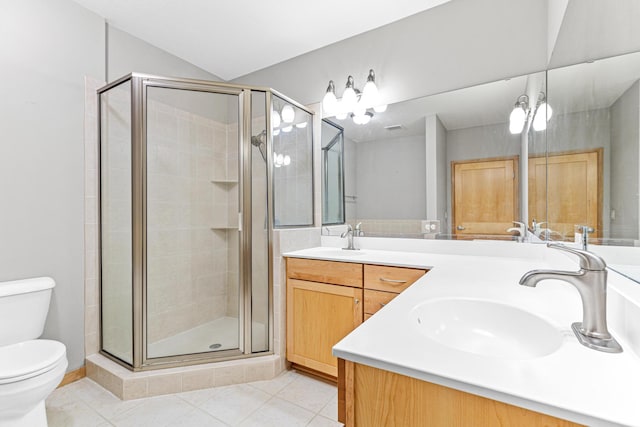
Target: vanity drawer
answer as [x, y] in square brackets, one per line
[336, 273]
[390, 279]
[375, 300]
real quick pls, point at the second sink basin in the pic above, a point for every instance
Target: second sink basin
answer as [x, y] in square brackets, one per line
[486, 328]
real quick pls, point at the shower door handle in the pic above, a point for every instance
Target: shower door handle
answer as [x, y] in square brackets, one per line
[239, 221]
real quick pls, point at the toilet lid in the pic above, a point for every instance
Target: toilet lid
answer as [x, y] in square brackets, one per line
[28, 359]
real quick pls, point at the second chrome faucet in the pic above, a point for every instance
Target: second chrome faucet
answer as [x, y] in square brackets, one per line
[350, 234]
[591, 283]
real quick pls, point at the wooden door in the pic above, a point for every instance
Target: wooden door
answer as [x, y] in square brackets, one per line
[569, 185]
[318, 316]
[485, 196]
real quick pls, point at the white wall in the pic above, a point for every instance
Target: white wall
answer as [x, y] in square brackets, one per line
[458, 44]
[625, 155]
[399, 193]
[47, 46]
[130, 54]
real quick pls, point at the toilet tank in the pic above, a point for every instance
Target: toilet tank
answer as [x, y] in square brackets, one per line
[24, 305]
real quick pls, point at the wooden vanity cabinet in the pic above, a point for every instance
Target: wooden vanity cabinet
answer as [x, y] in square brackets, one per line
[326, 300]
[371, 397]
[383, 283]
[324, 304]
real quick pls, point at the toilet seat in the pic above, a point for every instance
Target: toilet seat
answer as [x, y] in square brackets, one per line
[29, 359]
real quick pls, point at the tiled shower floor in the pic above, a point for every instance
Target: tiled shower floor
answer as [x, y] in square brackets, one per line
[286, 401]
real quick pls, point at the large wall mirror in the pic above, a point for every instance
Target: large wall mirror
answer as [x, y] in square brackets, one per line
[449, 157]
[551, 150]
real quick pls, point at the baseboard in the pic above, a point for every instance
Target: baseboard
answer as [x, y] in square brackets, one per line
[73, 376]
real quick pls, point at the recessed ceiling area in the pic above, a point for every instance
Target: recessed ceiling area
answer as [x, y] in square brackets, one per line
[234, 38]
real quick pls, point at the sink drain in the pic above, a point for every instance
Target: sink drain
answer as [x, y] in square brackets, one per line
[214, 346]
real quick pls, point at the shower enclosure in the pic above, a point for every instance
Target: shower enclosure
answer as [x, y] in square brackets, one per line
[185, 219]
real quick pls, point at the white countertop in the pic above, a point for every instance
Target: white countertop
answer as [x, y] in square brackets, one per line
[574, 382]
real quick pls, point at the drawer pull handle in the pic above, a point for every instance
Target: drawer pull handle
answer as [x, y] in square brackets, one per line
[392, 281]
[382, 304]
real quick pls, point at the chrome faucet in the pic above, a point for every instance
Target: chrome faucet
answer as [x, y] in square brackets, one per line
[349, 235]
[591, 282]
[521, 229]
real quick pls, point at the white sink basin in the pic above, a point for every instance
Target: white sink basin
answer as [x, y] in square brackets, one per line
[486, 328]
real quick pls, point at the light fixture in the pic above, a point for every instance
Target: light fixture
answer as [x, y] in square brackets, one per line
[301, 125]
[287, 129]
[330, 102]
[349, 96]
[280, 160]
[288, 114]
[518, 116]
[543, 113]
[537, 116]
[362, 119]
[353, 103]
[370, 95]
[276, 132]
[275, 119]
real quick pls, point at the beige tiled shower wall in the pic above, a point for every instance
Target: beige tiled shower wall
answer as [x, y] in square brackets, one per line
[396, 227]
[192, 245]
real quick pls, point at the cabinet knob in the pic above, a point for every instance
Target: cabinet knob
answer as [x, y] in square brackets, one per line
[356, 300]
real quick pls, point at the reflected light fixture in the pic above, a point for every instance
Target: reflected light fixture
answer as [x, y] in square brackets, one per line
[287, 129]
[354, 103]
[275, 119]
[288, 115]
[301, 125]
[543, 113]
[522, 114]
[518, 116]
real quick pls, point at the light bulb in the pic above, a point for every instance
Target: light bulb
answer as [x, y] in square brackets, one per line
[275, 119]
[370, 91]
[301, 125]
[349, 97]
[543, 114]
[365, 119]
[516, 120]
[280, 159]
[288, 114]
[287, 160]
[287, 129]
[276, 132]
[380, 108]
[330, 102]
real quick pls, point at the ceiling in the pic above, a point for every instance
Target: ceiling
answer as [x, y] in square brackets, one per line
[233, 38]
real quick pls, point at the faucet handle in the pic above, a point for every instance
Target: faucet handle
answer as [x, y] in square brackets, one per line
[346, 233]
[588, 260]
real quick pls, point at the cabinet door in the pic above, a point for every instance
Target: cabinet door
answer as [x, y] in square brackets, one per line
[318, 316]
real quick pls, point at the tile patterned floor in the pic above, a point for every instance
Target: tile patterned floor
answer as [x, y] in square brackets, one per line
[286, 401]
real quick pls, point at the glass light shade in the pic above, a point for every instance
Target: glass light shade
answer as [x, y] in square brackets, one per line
[360, 109]
[516, 120]
[275, 119]
[287, 128]
[329, 103]
[380, 108]
[288, 114]
[543, 114]
[301, 125]
[287, 160]
[370, 95]
[362, 120]
[349, 99]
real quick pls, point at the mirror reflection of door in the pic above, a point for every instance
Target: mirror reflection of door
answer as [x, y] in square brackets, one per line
[485, 197]
[573, 192]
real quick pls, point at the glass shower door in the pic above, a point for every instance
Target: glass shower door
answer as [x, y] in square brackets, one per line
[192, 221]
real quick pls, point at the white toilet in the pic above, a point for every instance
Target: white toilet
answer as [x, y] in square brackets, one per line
[30, 369]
